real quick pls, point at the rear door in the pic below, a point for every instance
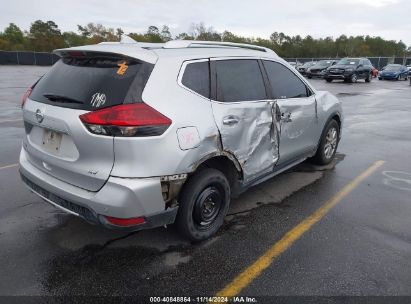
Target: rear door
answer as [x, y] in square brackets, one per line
[244, 115]
[297, 108]
[56, 141]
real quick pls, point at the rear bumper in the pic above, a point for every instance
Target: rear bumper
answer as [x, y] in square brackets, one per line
[119, 197]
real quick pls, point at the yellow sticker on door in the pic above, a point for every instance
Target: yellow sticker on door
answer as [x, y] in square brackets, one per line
[122, 68]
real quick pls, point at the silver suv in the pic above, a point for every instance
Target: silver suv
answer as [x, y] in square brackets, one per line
[134, 136]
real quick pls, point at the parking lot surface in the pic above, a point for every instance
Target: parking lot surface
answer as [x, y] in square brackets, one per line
[359, 247]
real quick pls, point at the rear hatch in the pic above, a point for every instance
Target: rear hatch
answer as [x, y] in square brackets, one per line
[56, 140]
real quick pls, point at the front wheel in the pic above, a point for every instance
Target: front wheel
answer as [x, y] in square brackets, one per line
[204, 202]
[353, 78]
[309, 76]
[368, 79]
[328, 144]
[328, 79]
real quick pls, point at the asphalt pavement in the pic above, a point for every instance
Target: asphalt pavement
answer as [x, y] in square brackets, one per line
[360, 247]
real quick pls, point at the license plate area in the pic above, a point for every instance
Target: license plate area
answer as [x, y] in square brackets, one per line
[51, 141]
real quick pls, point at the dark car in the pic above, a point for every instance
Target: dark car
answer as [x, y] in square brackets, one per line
[303, 68]
[350, 70]
[394, 72]
[318, 69]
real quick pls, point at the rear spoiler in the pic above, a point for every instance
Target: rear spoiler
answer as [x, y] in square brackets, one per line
[128, 50]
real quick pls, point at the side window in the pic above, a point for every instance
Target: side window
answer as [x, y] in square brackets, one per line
[283, 82]
[197, 78]
[239, 80]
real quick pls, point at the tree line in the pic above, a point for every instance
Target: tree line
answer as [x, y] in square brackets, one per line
[45, 36]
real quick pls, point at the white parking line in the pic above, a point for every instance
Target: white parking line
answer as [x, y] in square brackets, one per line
[9, 166]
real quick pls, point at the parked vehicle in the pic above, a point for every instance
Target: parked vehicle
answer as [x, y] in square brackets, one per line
[350, 70]
[295, 64]
[303, 68]
[318, 69]
[394, 72]
[134, 136]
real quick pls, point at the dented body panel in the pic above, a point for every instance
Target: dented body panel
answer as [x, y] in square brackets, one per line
[253, 139]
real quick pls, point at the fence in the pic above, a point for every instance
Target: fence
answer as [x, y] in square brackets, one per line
[27, 58]
[377, 62]
[42, 58]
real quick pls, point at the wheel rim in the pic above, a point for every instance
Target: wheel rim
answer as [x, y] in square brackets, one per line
[207, 207]
[330, 142]
[354, 78]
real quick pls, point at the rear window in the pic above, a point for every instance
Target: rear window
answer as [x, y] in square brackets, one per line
[197, 78]
[93, 83]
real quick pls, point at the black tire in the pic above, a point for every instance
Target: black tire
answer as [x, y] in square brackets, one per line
[379, 78]
[369, 77]
[208, 186]
[309, 76]
[328, 79]
[320, 158]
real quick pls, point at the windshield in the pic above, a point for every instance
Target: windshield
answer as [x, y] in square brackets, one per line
[392, 68]
[348, 61]
[308, 64]
[324, 63]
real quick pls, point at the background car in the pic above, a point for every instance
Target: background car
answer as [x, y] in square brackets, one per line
[303, 68]
[394, 72]
[409, 69]
[350, 70]
[295, 64]
[318, 69]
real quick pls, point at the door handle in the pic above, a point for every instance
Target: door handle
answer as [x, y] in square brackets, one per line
[231, 120]
[286, 117]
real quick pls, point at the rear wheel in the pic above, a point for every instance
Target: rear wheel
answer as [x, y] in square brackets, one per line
[328, 144]
[309, 76]
[204, 203]
[328, 79]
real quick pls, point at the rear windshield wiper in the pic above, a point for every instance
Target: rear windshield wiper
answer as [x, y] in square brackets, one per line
[61, 98]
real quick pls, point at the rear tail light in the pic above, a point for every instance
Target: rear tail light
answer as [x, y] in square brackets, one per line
[127, 120]
[26, 95]
[125, 222]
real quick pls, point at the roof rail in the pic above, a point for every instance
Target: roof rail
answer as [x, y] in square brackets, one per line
[175, 44]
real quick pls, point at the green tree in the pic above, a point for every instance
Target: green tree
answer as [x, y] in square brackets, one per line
[45, 36]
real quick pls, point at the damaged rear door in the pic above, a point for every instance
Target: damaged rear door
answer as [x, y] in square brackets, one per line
[244, 115]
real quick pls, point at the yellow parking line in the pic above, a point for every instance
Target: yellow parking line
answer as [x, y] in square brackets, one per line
[256, 268]
[9, 166]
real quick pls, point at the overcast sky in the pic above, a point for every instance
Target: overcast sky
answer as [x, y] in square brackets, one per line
[390, 19]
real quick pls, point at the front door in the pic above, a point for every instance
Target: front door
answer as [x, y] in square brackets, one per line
[297, 109]
[244, 115]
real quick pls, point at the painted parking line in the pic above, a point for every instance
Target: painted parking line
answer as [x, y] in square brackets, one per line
[255, 269]
[9, 166]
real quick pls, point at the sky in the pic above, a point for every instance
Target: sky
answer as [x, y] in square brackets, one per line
[389, 19]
